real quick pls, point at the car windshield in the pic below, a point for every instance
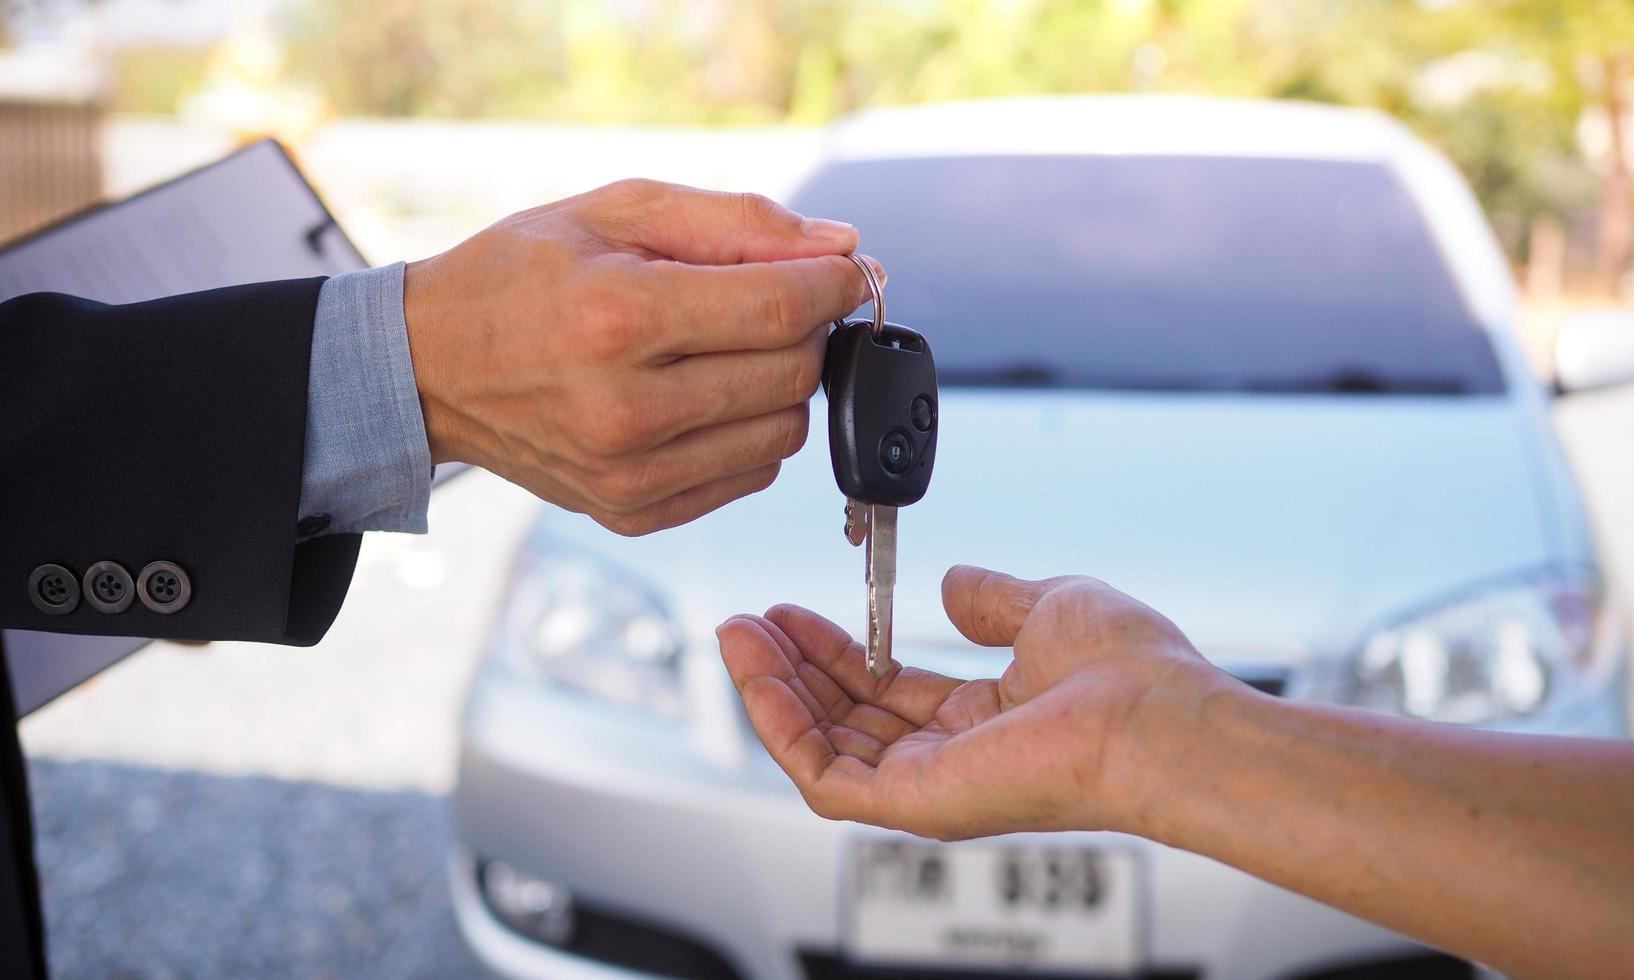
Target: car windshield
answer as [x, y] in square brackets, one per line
[1163, 273]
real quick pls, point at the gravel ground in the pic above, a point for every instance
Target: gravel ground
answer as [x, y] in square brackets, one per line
[157, 874]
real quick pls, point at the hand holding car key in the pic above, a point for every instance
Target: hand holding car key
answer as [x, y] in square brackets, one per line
[881, 384]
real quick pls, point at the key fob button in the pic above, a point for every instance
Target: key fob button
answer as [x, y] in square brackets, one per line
[923, 413]
[895, 453]
[881, 454]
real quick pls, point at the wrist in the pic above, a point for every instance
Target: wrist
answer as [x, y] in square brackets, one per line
[1183, 733]
[428, 349]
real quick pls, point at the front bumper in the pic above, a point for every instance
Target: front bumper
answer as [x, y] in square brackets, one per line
[634, 815]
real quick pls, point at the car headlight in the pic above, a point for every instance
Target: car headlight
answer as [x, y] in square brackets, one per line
[576, 620]
[1504, 651]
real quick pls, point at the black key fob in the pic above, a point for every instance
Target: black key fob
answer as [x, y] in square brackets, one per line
[881, 412]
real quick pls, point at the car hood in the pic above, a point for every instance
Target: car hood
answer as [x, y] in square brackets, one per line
[1268, 527]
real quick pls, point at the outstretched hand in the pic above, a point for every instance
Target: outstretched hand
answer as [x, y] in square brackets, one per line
[1108, 719]
[643, 353]
[1036, 749]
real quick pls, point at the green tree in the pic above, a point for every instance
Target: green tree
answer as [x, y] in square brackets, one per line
[1500, 85]
[1587, 44]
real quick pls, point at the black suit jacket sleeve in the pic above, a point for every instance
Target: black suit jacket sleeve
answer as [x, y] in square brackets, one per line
[172, 430]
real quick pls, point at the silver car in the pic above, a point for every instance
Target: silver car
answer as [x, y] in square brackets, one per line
[1252, 363]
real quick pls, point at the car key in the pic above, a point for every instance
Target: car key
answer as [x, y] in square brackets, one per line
[881, 383]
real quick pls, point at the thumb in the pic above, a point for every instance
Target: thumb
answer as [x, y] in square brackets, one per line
[989, 607]
[718, 228]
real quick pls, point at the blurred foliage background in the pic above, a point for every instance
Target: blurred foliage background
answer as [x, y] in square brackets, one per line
[1502, 86]
[1521, 94]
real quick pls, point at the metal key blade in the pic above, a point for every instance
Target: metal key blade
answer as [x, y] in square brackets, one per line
[881, 585]
[856, 521]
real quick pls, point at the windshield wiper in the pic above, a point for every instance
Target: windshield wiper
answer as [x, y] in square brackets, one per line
[1357, 381]
[1344, 381]
[1029, 374]
[1020, 375]
[1034, 375]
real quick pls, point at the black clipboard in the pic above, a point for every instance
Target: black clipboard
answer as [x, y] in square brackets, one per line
[251, 216]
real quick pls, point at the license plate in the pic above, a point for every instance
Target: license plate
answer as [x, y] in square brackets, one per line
[1015, 906]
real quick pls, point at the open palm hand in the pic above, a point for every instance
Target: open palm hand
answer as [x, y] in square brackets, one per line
[1034, 749]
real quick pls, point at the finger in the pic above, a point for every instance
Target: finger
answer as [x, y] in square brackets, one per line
[689, 505]
[833, 702]
[872, 720]
[971, 705]
[792, 674]
[715, 227]
[856, 744]
[709, 455]
[834, 785]
[783, 725]
[708, 389]
[907, 692]
[791, 653]
[752, 647]
[989, 607]
[758, 306]
[821, 696]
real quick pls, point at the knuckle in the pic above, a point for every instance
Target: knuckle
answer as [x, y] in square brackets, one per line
[765, 477]
[601, 432]
[781, 310]
[609, 321]
[593, 439]
[620, 489]
[808, 375]
[797, 429]
[584, 445]
[1100, 616]
[783, 611]
[1065, 601]
[990, 603]
[713, 401]
[625, 525]
[633, 190]
[758, 209]
[617, 426]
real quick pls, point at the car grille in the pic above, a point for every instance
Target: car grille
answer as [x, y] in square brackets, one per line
[642, 946]
[1423, 966]
[820, 966]
[608, 936]
[616, 939]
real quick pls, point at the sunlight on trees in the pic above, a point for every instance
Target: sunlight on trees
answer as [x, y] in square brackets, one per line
[1521, 94]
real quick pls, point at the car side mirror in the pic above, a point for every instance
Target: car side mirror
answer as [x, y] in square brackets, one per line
[1595, 349]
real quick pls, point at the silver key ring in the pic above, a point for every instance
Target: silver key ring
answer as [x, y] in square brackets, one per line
[875, 293]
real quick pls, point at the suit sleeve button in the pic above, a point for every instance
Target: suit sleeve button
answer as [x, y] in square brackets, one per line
[53, 589]
[163, 587]
[108, 588]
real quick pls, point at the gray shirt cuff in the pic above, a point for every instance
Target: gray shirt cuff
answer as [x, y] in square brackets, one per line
[368, 467]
